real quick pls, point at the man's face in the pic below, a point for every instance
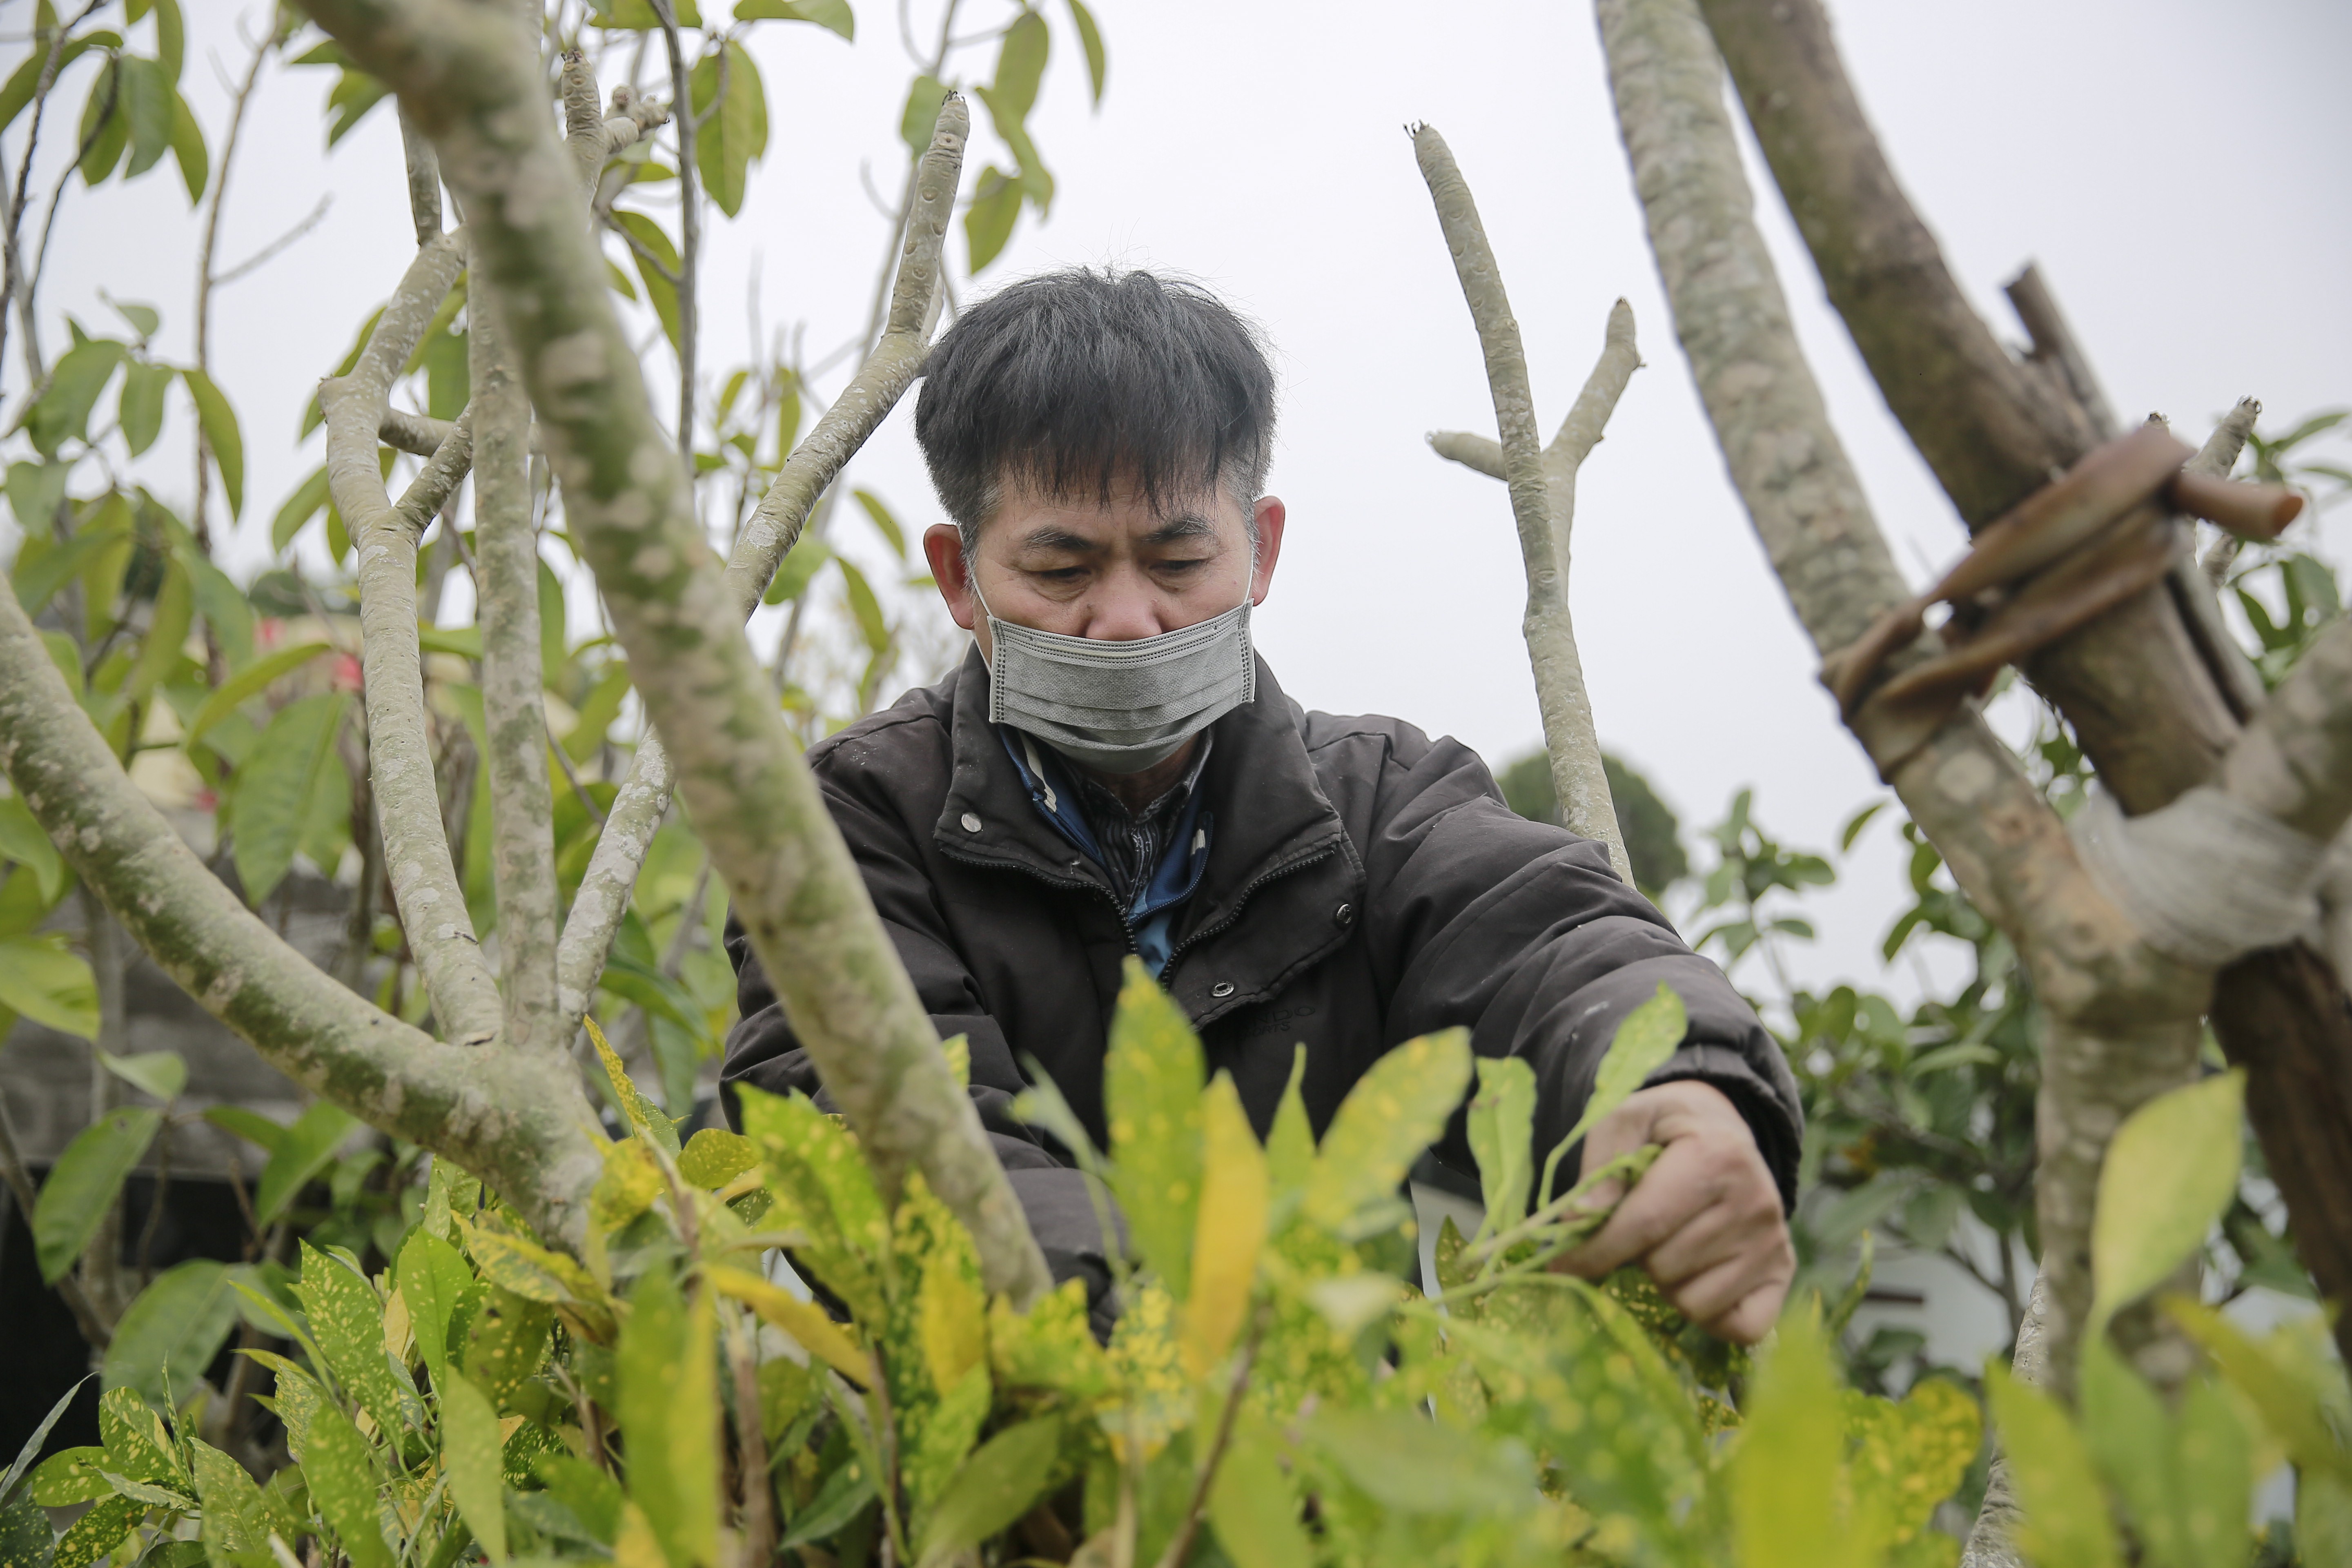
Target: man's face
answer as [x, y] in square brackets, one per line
[1114, 572]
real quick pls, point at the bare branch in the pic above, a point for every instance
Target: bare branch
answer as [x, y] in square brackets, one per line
[1481, 453]
[2054, 348]
[440, 476]
[1541, 511]
[416, 849]
[500, 1115]
[628, 504]
[766, 537]
[423, 181]
[689, 231]
[583, 122]
[514, 705]
[206, 282]
[318, 216]
[2217, 457]
[2000, 837]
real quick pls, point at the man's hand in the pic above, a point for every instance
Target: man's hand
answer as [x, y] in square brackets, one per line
[1706, 1221]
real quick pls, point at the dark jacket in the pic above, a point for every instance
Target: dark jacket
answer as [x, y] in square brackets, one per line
[1365, 885]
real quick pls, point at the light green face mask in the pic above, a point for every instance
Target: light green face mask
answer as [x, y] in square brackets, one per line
[1119, 707]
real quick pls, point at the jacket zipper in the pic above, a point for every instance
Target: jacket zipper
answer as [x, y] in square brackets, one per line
[1124, 924]
[1241, 901]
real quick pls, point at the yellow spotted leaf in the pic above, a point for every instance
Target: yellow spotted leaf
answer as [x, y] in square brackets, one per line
[805, 1321]
[1234, 1195]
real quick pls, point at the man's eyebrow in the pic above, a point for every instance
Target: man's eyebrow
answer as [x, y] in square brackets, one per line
[1047, 536]
[1183, 526]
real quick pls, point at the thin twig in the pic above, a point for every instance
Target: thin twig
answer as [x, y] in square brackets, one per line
[95, 1326]
[1180, 1545]
[689, 248]
[318, 216]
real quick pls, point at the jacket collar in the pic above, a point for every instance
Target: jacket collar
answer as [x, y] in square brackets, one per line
[1271, 812]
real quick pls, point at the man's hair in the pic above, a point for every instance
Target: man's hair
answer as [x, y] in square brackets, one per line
[1081, 382]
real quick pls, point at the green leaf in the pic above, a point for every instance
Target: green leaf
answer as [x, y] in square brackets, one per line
[84, 1182]
[34, 1444]
[1290, 1141]
[105, 128]
[506, 1341]
[256, 678]
[2171, 1170]
[299, 508]
[833, 15]
[171, 38]
[163, 1074]
[1003, 1481]
[865, 607]
[728, 140]
[799, 566]
[892, 533]
[96, 1533]
[433, 1280]
[274, 787]
[714, 1157]
[36, 490]
[2291, 1405]
[146, 102]
[26, 78]
[172, 1332]
[823, 1188]
[70, 1476]
[925, 96]
[44, 981]
[987, 221]
[1153, 1078]
[141, 406]
[1643, 1042]
[1502, 1131]
[1413, 1465]
[2065, 1523]
[643, 1113]
[346, 1318]
[235, 1516]
[668, 1402]
[161, 650]
[1395, 1111]
[80, 373]
[844, 1496]
[471, 1451]
[188, 149]
[1020, 66]
[342, 1475]
[248, 1124]
[302, 1152]
[217, 420]
[660, 292]
[1252, 1509]
[1090, 39]
[1784, 1474]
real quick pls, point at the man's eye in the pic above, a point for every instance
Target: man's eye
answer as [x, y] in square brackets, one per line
[1180, 567]
[1060, 573]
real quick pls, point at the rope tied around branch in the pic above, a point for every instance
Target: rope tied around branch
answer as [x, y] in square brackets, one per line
[2090, 540]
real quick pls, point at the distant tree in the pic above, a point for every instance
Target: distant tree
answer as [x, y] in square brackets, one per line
[1652, 837]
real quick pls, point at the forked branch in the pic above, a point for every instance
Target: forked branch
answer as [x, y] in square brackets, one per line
[1543, 495]
[627, 502]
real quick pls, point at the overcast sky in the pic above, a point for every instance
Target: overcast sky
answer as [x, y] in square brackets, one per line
[2178, 170]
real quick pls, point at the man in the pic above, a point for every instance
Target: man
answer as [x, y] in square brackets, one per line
[1112, 771]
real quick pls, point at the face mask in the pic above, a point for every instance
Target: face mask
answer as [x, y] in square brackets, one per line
[1119, 707]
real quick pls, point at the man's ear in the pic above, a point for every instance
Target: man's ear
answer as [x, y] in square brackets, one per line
[943, 547]
[1271, 515]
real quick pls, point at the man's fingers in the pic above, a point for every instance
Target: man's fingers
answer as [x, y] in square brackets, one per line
[1753, 1318]
[1653, 1211]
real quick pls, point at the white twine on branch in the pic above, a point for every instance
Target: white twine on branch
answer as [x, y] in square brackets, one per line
[2210, 878]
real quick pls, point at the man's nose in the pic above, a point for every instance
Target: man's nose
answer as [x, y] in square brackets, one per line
[1124, 609]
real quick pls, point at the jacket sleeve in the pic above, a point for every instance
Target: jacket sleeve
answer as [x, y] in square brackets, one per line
[763, 1051]
[1522, 932]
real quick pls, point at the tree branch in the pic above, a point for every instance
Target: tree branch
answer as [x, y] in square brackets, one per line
[764, 540]
[2054, 348]
[416, 849]
[2148, 710]
[423, 181]
[500, 1116]
[514, 705]
[439, 478]
[2217, 457]
[1541, 511]
[689, 232]
[2003, 843]
[627, 501]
